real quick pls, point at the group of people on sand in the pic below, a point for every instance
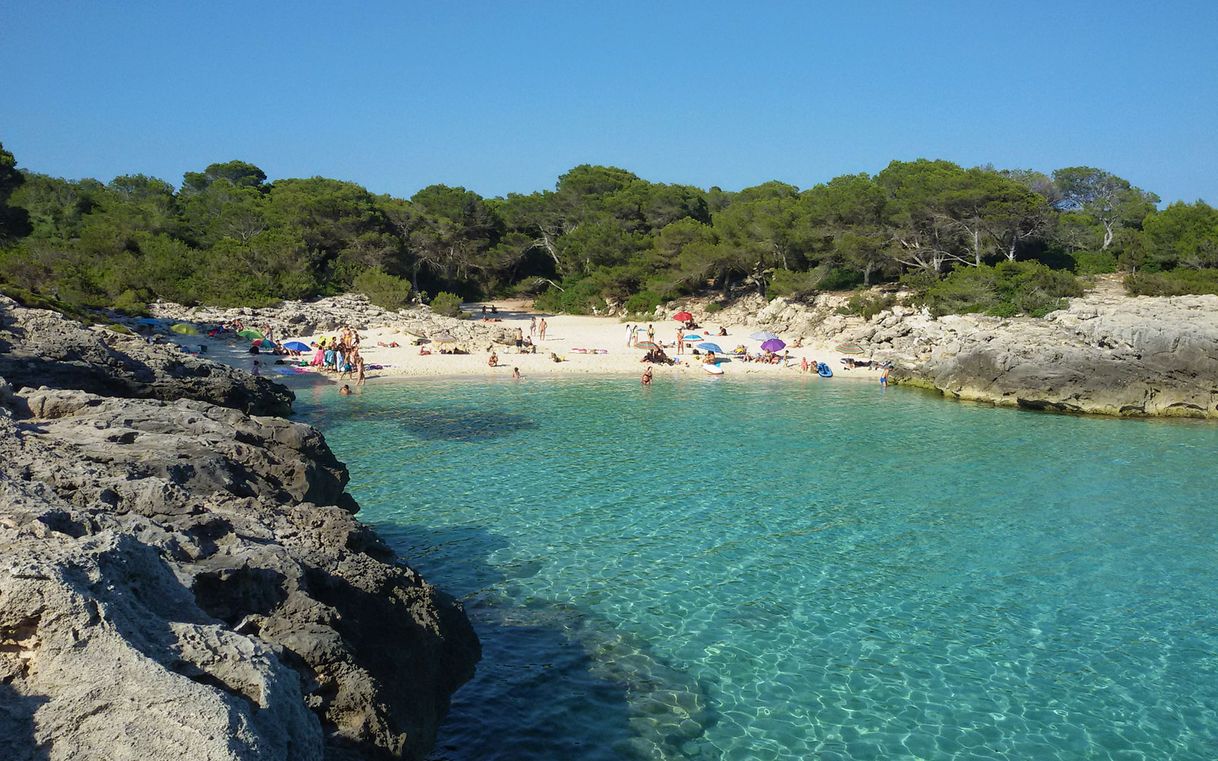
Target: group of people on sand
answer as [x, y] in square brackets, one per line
[340, 354]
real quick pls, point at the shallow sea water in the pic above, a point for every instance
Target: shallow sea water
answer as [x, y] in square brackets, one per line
[717, 569]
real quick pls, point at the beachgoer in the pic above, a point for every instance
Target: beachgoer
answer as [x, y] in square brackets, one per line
[359, 369]
[257, 368]
[494, 309]
[884, 378]
[541, 328]
[722, 331]
[532, 327]
[515, 373]
[803, 365]
[484, 310]
[629, 334]
[680, 341]
[493, 361]
[647, 377]
[519, 339]
[651, 333]
[345, 390]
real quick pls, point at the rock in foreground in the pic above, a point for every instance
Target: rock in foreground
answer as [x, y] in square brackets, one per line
[179, 579]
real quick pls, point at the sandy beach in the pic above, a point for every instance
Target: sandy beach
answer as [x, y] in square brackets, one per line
[566, 335]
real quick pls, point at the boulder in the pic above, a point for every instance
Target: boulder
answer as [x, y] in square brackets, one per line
[180, 578]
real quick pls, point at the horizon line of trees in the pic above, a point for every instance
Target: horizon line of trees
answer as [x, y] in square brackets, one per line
[228, 236]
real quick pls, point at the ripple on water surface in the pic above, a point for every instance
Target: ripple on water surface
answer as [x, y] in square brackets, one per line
[706, 570]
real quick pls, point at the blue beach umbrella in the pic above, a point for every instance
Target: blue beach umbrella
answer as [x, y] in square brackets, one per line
[708, 346]
[296, 346]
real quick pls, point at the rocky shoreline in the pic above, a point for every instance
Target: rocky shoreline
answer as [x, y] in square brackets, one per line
[181, 578]
[1105, 353]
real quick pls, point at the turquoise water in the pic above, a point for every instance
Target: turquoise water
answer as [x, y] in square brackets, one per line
[773, 570]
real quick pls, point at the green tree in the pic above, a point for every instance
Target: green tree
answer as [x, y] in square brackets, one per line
[14, 221]
[1109, 200]
[1183, 235]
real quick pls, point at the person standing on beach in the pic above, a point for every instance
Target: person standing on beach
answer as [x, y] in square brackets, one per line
[519, 339]
[651, 332]
[359, 368]
[680, 341]
[629, 335]
[541, 328]
[533, 328]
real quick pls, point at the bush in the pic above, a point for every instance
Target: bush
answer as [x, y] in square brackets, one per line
[1004, 290]
[867, 305]
[385, 290]
[794, 284]
[713, 307]
[447, 304]
[1094, 262]
[643, 302]
[1174, 283]
[839, 279]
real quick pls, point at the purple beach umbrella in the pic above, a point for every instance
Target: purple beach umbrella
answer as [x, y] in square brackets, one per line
[774, 345]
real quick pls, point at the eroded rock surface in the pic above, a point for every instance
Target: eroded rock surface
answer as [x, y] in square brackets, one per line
[179, 579]
[39, 347]
[1104, 353]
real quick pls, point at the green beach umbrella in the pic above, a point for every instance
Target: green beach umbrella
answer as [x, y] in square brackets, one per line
[249, 333]
[183, 329]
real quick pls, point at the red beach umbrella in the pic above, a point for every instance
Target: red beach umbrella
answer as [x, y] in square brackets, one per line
[683, 317]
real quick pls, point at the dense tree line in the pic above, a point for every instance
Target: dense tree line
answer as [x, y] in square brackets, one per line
[227, 236]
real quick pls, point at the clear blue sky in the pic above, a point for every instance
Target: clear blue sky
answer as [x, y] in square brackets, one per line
[505, 96]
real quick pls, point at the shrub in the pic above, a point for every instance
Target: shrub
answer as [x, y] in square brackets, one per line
[385, 290]
[1094, 262]
[839, 279]
[1178, 282]
[867, 305]
[1004, 290]
[129, 303]
[794, 284]
[714, 306]
[643, 302]
[447, 304]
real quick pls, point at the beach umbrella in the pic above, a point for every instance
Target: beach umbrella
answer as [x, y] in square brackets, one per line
[774, 344]
[849, 348]
[693, 337]
[249, 333]
[683, 317]
[444, 338]
[183, 329]
[708, 346]
[763, 335]
[646, 345]
[296, 346]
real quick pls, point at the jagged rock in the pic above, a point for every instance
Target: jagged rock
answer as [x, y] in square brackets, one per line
[39, 347]
[1105, 353]
[181, 579]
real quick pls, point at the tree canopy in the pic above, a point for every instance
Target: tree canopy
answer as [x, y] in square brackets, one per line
[228, 235]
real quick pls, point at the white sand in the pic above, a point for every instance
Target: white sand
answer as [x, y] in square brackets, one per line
[566, 333]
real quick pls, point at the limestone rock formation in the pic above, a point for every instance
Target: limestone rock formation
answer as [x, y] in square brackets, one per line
[39, 347]
[179, 579]
[1104, 353]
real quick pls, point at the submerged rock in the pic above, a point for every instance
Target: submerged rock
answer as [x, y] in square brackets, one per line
[182, 579]
[39, 347]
